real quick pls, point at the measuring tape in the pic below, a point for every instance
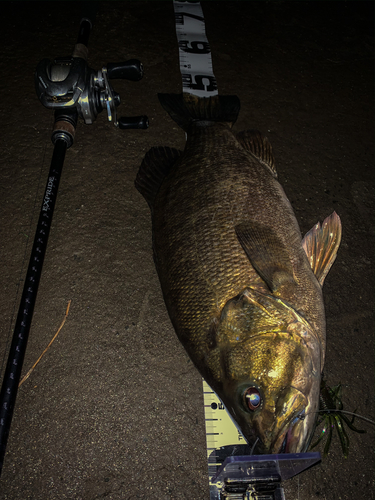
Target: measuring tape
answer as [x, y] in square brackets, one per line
[194, 50]
[222, 435]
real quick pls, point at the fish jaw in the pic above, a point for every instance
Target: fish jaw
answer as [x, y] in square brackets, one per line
[290, 404]
[284, 426]
[300, 432]
[292, 430]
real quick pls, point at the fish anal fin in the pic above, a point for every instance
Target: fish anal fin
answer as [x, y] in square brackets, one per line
[154, 168]
[266, 253]
[259, 146]
[321, 244]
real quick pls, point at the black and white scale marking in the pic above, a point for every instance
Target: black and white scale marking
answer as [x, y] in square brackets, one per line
[198, 79]
[194, 50]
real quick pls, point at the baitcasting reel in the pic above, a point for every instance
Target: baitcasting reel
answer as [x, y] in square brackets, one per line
[68, 82]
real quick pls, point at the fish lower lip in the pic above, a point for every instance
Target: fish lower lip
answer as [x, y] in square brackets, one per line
[285, 446]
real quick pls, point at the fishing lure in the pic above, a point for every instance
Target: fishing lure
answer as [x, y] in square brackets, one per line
[331, 412]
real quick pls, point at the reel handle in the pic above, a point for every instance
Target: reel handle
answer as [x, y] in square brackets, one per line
[128, 70]
[135, 122]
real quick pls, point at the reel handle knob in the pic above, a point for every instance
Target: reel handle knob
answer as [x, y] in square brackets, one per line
[137, 122]
[128, 70]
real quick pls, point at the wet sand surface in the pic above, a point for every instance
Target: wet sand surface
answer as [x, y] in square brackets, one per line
[115, 408]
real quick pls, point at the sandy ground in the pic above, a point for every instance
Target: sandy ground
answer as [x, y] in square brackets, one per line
[115, 409]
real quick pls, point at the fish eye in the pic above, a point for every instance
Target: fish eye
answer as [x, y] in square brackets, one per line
[252, 399]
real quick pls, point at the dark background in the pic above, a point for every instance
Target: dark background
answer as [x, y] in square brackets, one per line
[115, 408]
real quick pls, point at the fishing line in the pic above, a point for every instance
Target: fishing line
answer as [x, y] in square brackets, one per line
[27, 247]
[254, 445]
[302, 417]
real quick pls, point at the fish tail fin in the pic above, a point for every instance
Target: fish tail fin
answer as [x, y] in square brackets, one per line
[187, 108]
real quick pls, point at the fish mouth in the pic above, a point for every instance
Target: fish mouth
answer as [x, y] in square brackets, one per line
[286, 433]
[286, 441]
[259, 447]
[289, 434]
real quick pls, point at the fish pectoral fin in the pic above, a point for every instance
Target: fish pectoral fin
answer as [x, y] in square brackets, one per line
[321, 244]
[259, 146]
[266, 253]
[155, 166]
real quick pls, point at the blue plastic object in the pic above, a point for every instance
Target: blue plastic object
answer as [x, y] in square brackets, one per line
[258, 476]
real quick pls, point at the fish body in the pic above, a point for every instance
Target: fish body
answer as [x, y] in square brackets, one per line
[242, 288]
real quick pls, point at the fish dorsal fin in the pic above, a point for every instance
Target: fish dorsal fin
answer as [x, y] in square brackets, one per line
[154, 168]
[321, 244]
[253, 141]
[266, 253]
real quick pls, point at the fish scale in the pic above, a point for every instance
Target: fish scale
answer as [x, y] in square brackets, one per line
[203, 196]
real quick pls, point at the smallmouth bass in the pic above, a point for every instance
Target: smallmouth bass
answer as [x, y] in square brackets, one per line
[242, 288]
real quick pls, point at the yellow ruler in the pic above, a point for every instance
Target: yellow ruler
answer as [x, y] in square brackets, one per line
[222, 435]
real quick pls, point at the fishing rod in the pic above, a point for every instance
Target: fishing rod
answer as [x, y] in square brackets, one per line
[72, 89]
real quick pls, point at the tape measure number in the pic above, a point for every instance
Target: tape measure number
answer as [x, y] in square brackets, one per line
[194, 50]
